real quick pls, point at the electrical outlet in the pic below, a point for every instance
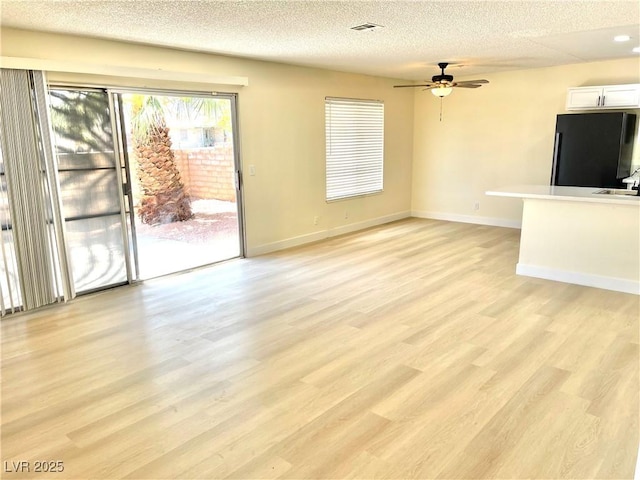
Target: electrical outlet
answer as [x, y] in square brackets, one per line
[315, 220]
[346, 214]
[476, 206]
[252, 170]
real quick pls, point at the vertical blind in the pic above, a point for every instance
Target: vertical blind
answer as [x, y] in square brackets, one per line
[10, 295]
[30, 265]
[354, 147]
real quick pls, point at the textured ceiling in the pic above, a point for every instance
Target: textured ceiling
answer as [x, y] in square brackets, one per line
[479, 36]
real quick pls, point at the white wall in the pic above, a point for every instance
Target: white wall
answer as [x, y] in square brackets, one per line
[573, 242]
[281, 115]
[498, 135]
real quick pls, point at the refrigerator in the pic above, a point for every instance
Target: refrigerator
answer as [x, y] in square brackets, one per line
[593, 149]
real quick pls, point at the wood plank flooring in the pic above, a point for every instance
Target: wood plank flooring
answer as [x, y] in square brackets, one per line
[409, 350]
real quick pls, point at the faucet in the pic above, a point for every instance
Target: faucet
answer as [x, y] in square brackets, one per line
[635, 185]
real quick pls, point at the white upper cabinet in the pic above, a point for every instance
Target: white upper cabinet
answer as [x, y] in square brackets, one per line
[621, 96]
[584, 98]
[604, 97]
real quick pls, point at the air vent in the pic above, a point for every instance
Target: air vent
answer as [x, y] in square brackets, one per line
[366, 27]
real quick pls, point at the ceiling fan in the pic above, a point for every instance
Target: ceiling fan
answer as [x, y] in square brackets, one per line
[442, 85]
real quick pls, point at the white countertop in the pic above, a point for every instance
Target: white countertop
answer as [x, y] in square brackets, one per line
[553, 192]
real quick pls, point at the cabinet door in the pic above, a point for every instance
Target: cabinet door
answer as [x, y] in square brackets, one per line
[621, 96]
[584, 98]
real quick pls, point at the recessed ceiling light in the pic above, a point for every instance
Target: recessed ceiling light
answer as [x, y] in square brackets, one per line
[636, 50]
[621, 38]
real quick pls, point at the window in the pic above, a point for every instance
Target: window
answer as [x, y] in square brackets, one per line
[208, 137]
[355, 145]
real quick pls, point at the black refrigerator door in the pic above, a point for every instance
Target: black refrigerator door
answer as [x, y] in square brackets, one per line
[588, 148]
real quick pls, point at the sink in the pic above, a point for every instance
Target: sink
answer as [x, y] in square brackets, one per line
[616, 191]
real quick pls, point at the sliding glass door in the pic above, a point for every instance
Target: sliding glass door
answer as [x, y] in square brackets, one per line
[180, 155]
[175, 156]
[90, 185]
[101, 187]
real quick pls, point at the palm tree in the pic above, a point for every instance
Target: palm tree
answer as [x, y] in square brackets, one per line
[164, 198]
[201, 111]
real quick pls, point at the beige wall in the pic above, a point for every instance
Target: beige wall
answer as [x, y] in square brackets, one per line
[498, 135]
[281, 115]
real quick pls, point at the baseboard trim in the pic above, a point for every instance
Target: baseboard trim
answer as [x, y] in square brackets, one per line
[324, 234]
[354, 227]
[580, 278]
[453, 217]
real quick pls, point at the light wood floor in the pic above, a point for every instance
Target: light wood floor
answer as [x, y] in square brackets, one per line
[410, 350]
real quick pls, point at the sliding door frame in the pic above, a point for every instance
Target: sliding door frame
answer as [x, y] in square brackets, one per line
[122, 160]
[120, 154]
[116, 95]
[115, 139]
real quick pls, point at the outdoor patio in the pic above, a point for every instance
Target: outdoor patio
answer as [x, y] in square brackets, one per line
[210, 236]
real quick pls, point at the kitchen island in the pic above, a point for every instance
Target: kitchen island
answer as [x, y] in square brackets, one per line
[575, 235]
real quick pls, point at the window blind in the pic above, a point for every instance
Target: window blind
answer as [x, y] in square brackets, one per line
[354, 147]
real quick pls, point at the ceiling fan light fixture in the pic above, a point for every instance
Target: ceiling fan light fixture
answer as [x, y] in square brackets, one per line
[367, 27]
[441, 91]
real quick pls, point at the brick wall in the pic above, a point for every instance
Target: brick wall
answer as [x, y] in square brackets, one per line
[208, 172]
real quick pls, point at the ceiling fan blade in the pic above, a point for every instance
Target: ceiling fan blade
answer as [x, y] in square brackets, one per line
[403, 86]
[467, 85]
[472, 81]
